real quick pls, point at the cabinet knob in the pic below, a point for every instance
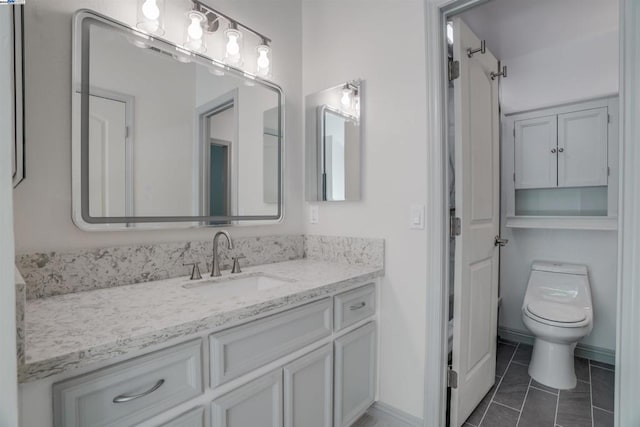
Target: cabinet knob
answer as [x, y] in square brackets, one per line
[553, 151]
[560, 150]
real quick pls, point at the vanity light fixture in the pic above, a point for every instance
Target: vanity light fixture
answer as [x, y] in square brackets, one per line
[195, 31]
[263, 62]
[150, 16]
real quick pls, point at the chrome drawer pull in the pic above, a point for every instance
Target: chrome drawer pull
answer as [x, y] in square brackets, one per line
[129, 397]
[358, 306]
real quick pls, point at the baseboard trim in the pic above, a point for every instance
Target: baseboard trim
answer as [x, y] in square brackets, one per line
[598, 354]
[394, 416]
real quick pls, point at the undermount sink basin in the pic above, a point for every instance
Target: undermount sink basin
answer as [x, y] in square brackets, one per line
[230, 286]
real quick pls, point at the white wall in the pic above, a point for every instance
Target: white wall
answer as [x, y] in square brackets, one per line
[578, 70]
[573, 71]
[347, 39]
[8, 363]
[42, 203]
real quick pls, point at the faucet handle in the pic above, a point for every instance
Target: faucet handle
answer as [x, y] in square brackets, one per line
[195, 272]
[236, 264]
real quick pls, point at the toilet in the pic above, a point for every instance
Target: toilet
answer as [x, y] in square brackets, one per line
[557, 309]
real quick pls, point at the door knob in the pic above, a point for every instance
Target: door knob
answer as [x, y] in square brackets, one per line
[500, 242]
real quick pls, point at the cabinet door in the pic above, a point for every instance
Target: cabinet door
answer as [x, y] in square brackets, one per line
[582, 148]
[258, 403]
[536, 161]
[355, 374]
[308, 390]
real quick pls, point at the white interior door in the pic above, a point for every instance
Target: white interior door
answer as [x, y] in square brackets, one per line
[536, 160]
[582, 148]
[477, 205]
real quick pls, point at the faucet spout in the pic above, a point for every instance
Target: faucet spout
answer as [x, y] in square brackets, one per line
[215, 267]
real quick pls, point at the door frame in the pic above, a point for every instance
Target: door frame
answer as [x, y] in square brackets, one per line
[627, 340]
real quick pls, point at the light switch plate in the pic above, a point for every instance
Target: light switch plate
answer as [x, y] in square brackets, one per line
[416, 217]
[313, 214]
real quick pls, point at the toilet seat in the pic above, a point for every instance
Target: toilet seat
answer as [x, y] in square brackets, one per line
[556, 314]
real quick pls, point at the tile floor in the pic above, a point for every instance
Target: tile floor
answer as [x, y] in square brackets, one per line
[518, 400]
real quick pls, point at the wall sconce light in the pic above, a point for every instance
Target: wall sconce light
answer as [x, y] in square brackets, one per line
[233, 53]
[263, 62]
[150, 16]
[195, 31]
[346, 95]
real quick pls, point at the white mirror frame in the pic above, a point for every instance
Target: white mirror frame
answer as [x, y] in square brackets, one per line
[80, 209]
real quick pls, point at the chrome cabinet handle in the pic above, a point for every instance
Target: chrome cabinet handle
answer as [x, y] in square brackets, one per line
[357, 306]
[553, 151]
[560, 150]
[123, 398]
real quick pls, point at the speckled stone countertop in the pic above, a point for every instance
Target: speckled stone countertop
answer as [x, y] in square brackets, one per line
[69, 331]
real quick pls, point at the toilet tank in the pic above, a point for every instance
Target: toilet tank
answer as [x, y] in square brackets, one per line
[559, 267]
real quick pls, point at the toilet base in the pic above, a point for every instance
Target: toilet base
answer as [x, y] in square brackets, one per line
[552, 364]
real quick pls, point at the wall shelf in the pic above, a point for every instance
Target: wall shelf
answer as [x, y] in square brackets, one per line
[563, 222]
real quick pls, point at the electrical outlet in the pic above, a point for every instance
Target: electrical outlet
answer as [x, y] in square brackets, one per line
[313, 214]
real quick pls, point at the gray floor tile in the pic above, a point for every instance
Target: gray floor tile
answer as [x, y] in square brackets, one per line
[500, 416]
[539, 409]
[513, 386]
[602, 418]
[503, 357]
[582, 368]
[574, 406]
[478, 413]
[541, 386]
[603, 365]
[523, 354]
[603, 382]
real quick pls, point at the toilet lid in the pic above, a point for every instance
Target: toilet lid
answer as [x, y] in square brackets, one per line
[555, 312]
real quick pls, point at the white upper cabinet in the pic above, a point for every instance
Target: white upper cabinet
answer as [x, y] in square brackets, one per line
[582, 148]
[536, 162]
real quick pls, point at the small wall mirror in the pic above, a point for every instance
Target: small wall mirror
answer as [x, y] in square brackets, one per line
[163, 136]
[334, 143]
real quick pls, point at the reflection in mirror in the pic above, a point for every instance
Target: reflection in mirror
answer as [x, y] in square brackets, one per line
[333, 143]
[163, 135]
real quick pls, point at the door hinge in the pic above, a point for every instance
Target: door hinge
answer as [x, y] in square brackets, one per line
[126, 132]
[608, 171]
[514, 177]
[514, 131]
[452, 378]
[454, 70]
[608, 118]
[455, 226]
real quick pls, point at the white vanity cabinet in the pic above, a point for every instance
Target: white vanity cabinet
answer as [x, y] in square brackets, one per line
[308, 390]
[354, 374]
[295, 368]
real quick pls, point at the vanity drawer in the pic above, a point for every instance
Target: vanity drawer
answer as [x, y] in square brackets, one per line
[355, 305]
[132, 391]
[241, 349]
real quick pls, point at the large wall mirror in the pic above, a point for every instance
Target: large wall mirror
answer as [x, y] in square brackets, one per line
[333, 143]
[163, 136]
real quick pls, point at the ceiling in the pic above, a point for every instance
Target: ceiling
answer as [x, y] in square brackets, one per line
[514, 28]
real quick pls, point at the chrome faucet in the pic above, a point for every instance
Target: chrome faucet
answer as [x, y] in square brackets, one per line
[215, 267]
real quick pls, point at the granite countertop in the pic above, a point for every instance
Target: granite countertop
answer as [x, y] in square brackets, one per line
[74, 330]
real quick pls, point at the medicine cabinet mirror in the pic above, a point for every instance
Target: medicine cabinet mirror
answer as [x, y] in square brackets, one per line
[164, 137]
[334, 143]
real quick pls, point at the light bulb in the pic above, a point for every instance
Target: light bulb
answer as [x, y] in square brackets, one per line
[346, 97]
[195, 29]
[263, 62]
[233, 48]
[151, 10]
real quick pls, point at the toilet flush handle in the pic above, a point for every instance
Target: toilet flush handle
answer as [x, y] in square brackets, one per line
[500, 242]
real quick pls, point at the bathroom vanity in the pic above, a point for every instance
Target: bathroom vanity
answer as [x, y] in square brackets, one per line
[284, 344]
